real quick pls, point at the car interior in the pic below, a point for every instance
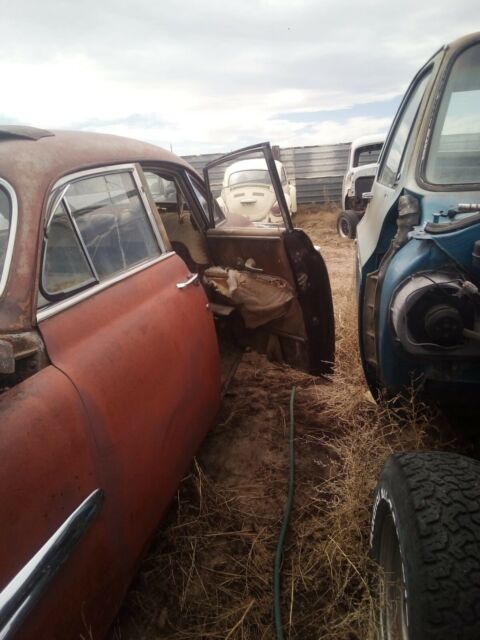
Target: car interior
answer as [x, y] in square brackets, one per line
[256, 277]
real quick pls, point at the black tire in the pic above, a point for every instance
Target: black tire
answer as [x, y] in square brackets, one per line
[347, 224]
[426, 537]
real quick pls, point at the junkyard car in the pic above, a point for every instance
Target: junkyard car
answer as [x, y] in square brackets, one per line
[109, 355]
[357, 182]
[419, 241]
[248, 191]
[419, 303]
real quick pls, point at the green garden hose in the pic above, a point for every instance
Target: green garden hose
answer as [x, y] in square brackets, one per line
[286, 519]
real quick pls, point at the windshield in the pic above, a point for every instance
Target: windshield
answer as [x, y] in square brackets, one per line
[454, 155]
[5, 223]
[250, 176]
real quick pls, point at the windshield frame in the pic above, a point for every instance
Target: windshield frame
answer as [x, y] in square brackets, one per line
[433, 118]
[12, 232]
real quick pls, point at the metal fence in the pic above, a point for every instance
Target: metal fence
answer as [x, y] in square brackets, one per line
[317, 170]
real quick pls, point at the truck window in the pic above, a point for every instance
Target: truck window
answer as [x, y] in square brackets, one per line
[398, 142]
[454, 154]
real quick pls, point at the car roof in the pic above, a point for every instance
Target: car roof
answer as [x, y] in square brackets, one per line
[31, 162]
[464, 41]
[57, 153]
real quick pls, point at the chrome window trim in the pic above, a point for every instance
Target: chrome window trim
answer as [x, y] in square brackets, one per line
[114, 168]
[57, 307]
[86, 173]
[58, 194]
[146, 204]
[12, 232]
[23, 591]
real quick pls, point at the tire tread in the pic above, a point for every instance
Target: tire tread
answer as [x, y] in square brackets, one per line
[445, 494]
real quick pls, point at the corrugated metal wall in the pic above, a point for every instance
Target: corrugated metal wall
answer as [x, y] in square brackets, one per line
[318, 170]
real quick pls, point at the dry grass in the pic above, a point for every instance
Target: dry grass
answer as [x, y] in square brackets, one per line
[209, 572]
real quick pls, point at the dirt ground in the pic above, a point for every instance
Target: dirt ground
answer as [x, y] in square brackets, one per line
[209, 572]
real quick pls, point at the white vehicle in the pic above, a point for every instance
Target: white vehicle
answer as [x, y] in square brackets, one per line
[248, 191]
[358, 179]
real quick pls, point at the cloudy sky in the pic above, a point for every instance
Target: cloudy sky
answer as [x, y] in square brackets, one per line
[213, 75]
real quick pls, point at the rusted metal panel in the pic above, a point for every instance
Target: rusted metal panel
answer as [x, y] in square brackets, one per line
[143, 355]
[49, 467]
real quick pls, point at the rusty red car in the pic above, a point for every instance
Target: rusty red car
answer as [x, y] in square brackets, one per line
[125, 296]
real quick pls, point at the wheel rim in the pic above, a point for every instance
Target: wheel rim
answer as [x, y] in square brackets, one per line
[393, 596]
[344, 228]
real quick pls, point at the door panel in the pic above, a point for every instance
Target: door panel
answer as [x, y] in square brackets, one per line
[48, 469]
[233, 247]
[144, 358]
[306, 333]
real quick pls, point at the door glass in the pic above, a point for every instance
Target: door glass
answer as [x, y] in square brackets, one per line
[454, 155]
[178, 220]
[65, 267]
[199, 192]
[242, 189]
[162, 189]
[112, 222]
[398, 142]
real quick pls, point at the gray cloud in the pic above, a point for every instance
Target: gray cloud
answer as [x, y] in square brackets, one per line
[224, 56]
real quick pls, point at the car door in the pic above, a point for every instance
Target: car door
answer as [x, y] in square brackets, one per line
[125, 321]
[388, 184]
[379, 224]
[301, 332]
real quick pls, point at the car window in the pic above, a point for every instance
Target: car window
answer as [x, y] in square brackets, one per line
[99, 229]
[250, 176]
[112, 222]
[5, 223]
[393, 158]
[199, 191]
[65, 267]
[454, 154]
[368, 154]
[162, 190]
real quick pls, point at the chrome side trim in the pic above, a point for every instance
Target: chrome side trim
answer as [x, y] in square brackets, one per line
[11, 233]
[21, 594]
[57, 307]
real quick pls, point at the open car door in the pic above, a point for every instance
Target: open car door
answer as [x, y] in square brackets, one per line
[269, 285]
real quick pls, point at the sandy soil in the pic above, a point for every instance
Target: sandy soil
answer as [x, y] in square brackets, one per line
[208, 573]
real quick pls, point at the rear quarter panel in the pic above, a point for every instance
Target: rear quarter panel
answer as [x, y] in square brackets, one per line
[48, 468]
